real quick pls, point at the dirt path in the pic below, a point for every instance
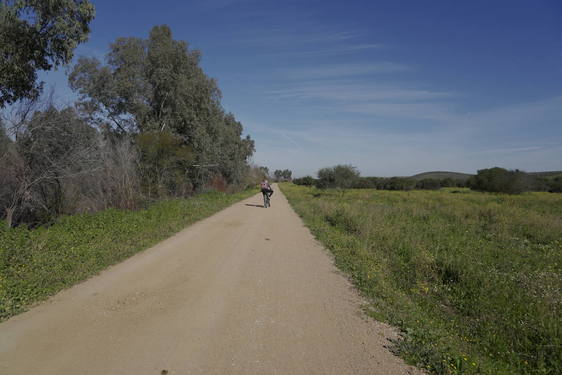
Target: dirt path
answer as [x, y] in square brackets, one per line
[246, 291]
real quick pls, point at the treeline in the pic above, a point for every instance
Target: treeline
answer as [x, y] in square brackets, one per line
[148, 125]
[491, 180]
[500, 180]
[283, 175]
[348, 177]
[388, 183]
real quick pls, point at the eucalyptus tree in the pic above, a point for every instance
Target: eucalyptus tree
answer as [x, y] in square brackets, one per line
[38, 35]
[157, 85]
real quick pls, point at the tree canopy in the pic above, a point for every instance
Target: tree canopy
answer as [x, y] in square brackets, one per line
[38, 35]
[157, 85]
[339, 176]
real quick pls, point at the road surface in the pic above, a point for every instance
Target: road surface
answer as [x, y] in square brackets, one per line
[246, 291]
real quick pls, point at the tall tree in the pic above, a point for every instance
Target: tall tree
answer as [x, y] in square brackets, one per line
[37, 35]
[157, 85]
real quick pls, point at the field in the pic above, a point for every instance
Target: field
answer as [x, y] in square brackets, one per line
[35, 264]
[473, 280]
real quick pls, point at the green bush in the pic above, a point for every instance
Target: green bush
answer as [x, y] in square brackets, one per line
[305, 181]
[500, 180]
[555, 185]
[428, 184]
[340, 176]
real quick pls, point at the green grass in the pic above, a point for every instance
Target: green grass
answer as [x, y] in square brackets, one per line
[473, 280]
[35, 264]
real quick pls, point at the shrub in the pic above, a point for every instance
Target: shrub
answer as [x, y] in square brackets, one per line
[555, 185]
[305, 181]
[428, 184]
[500, 180]
[340, 176]
[397, 183]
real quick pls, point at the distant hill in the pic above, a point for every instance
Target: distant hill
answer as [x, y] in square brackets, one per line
[441, 175]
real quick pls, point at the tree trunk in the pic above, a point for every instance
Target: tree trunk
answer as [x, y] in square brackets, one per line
[9, 216]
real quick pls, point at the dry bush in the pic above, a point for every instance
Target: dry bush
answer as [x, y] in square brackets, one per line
[218, 183]
[55, 164]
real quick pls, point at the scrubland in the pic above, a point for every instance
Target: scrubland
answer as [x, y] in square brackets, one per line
[473, 280]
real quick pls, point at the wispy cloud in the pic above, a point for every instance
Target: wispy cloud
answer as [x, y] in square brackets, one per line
[369, 98]
[517, 150]
[523, 115]
[220, 4]
[418, 150]
[276, 38]
[342, 49]
[354, 92]
[346, 70]
[291, 140]
[432, 111]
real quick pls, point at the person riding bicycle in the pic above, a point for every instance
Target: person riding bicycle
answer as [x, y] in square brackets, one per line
[266, 189]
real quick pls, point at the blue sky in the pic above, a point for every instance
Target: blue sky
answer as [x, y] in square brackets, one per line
[392, 87]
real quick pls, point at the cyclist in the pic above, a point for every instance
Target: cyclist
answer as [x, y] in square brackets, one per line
[267, 191]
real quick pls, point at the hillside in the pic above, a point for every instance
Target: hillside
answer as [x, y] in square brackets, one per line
[441, 175]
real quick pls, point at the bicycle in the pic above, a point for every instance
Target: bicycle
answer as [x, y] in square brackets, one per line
[266, 202]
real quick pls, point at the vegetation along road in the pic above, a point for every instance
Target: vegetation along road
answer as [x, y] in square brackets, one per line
[246, 291]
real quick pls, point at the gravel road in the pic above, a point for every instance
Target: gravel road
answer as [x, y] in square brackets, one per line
[246, 291]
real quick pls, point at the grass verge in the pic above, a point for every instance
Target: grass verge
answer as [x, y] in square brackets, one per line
[473, 280]
[35, 264]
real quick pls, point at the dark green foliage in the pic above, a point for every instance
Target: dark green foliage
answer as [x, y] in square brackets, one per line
[384, 183]
[452, 182]
[555, 185]
[428, 184]
[305, 181]
[397, 183]
[165, 161]
[35, 264]
[367, 183]
[37, 35]
[404, 183]
[340, 176]
[500, 180]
